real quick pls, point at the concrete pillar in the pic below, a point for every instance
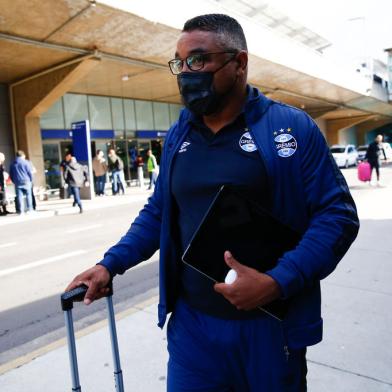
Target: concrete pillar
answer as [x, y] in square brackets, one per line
[34, 96]
[334, 126]
[6, 143]
[322, 124]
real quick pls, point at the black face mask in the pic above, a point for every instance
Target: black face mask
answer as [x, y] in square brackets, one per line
[198, 93]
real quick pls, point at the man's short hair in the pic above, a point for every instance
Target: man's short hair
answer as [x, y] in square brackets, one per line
[20, 153]
[230, 32]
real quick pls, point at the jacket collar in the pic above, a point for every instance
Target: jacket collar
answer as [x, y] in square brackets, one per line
[255, 106]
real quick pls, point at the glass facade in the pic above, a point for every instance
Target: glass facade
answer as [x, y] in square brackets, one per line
[130, 117]
[100, 113]
[54, 118]
[144, 115]
[161, 115]
[135, 124]
[118, 114]
[75, 109]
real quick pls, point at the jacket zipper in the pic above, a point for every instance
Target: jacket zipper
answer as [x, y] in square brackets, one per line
[285, 344]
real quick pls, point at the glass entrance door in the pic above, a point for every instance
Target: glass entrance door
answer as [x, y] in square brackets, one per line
[52, 165]
[144, 146]
[121, 151]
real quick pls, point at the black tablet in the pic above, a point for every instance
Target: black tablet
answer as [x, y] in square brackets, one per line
[235, 222]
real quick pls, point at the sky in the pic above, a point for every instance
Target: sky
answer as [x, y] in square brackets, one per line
[355, 27]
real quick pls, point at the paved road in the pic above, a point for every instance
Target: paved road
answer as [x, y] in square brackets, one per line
[39, 258]
[354, 356]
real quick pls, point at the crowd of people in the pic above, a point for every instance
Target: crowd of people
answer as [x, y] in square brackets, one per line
[75, 175]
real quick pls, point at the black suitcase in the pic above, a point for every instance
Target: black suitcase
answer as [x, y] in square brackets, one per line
[67, 300]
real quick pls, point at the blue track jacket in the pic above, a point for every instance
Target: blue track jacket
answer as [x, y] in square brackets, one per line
[309, 194]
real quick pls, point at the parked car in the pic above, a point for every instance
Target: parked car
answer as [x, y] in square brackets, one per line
[362, 152]
[344, 155]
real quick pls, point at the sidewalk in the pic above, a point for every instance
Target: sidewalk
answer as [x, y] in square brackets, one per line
[55, 207]
[355, 355]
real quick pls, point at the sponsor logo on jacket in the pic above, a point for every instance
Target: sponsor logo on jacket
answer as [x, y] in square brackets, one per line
[247, 143]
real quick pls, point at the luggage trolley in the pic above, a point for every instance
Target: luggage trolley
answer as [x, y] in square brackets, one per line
[67, 300]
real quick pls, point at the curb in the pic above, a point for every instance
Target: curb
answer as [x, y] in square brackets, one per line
[25, 359]
[60, 211]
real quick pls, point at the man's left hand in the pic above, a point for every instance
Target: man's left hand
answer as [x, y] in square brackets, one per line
[251, 288]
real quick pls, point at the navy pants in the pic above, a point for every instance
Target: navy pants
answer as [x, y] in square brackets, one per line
[208, 354]
[100, 185]
[76, 194]
[23, 190]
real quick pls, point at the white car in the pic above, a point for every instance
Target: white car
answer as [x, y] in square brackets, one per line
[344, 155]
[388, 151]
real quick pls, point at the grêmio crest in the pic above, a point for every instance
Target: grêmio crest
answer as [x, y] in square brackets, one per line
[285, 143]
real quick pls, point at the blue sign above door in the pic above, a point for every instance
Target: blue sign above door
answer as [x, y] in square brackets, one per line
[67, 134]
[150, 134]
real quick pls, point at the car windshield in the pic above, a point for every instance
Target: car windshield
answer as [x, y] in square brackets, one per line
[337, 149]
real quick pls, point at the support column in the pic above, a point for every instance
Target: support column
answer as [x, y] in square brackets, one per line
[33, 97]
[334, 126]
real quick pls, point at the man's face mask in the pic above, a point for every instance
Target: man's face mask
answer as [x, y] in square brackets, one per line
[198, 93]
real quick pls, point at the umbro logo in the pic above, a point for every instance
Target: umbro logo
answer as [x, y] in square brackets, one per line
[184, 146]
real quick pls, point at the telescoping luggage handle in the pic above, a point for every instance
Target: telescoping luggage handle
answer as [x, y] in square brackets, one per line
[67, 300]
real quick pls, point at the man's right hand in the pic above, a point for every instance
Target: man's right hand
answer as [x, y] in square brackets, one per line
[96, 279]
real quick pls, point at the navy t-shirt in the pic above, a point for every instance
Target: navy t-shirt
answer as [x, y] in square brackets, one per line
[204, 162]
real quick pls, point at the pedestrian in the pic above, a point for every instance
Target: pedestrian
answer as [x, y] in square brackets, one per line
[100, 169]
[22, 177]
[140, 175]
[373, 156]
[33, 171]
[116, 169]
[152, 167]
[33, 201]
[230, 133]
[76, 176]
[3, 196]
[63, 165]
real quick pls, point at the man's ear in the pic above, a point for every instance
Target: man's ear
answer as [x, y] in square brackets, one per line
[242, 61]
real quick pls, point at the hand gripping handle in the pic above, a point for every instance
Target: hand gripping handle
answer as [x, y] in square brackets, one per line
[77, 295]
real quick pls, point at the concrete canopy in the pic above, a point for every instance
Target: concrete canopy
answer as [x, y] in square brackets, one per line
[37, 35]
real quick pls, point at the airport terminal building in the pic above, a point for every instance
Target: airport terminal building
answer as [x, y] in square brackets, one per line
[105, 61]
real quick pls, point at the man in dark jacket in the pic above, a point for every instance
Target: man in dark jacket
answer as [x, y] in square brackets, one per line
[373, 155]
[22, 177]
[230, 133]
[76, 176]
